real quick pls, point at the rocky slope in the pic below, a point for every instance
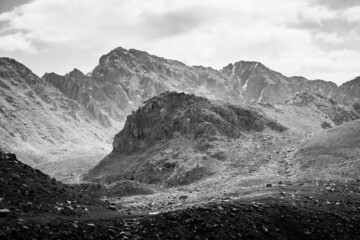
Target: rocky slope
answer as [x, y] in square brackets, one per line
[180, 139]
[173, 113]
[337, 114]
[330, 154]
[101, 101]
[34, 206]
[175, 138]
[39, 123]
[25, 192]
[352, 88]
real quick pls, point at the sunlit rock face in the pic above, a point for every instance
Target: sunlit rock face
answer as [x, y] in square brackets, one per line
[37, 119]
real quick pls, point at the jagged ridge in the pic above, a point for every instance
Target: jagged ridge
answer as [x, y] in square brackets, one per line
[170, 113]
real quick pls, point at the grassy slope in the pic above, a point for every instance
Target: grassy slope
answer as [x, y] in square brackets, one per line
[332, 153]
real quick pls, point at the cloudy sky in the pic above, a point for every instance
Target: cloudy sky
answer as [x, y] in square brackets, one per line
[317, 39]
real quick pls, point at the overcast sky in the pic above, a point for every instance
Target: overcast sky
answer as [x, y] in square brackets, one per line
[317, 39]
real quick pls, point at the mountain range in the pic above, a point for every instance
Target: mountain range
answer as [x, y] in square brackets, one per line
[150, 148]
[56, 121]
[123, 79]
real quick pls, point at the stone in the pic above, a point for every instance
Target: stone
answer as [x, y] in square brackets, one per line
[183, 197]
[68, 210]
[112, 207]
[4, 212]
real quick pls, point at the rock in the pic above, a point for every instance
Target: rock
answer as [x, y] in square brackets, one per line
[127, 234]
[183, 197]
[68, 210]
[112, 207]
[154, 213]
[4, 212]
[146, 124]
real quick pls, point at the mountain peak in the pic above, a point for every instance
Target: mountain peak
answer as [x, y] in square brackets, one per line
[75, 73]
[7, 60]
[250, 64]
[243, 65]
[12, 63]
[50, 74]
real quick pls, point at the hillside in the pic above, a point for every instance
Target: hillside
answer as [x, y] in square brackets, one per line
[352, 87]
[26, 192]
[336, 113]
[330, 154]
[40, 124]
[177, 138]
[34, 206]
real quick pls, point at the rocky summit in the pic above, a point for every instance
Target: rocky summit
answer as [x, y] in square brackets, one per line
[172, 113]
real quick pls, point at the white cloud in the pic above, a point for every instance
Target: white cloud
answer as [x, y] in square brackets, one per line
[67, 33]
[352, 14]
[15, 42]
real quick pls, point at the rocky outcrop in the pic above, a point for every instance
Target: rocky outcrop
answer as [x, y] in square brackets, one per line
[338, 114]
[174, 113]
[171, 140]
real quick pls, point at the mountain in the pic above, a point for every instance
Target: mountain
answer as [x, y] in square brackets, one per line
[123, 79]
[40, 124]
[177, 138]
[101, 101]
[256, 82]
[174, 138]
[243, 152]
[83, 112]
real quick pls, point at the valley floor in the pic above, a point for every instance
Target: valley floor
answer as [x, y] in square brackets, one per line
[300, 210]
